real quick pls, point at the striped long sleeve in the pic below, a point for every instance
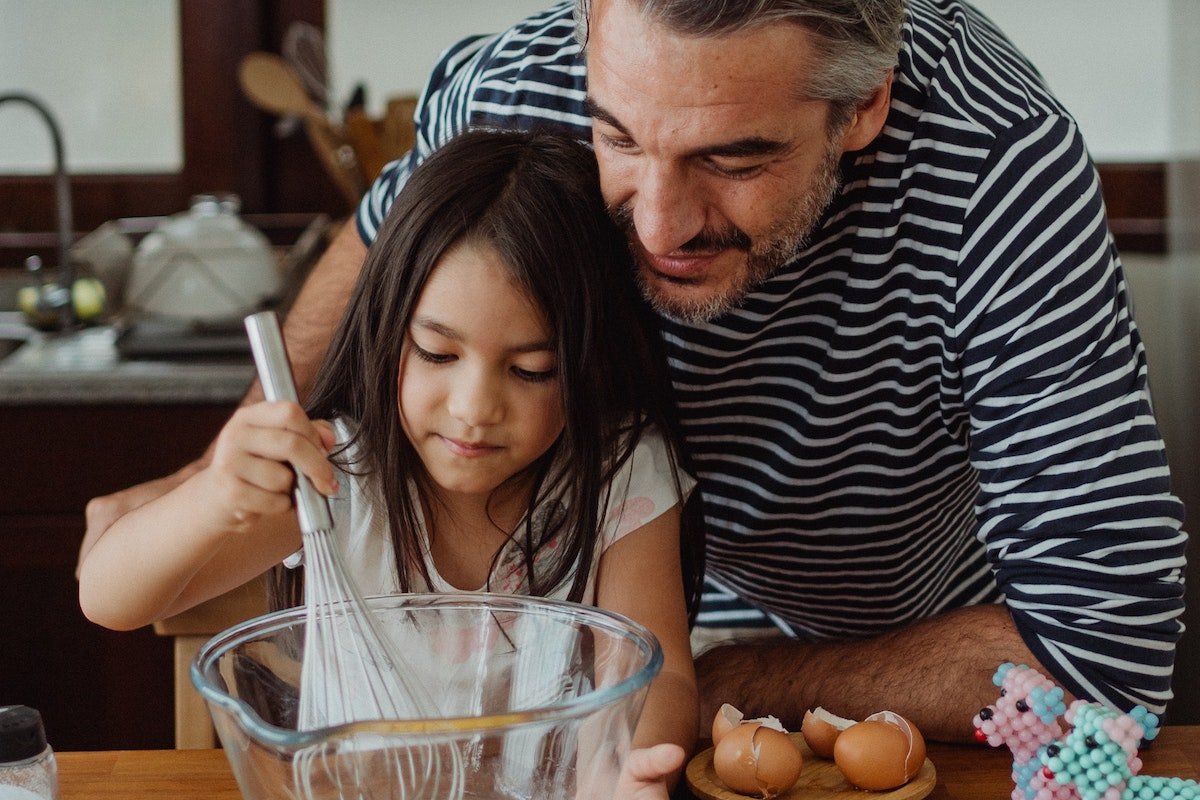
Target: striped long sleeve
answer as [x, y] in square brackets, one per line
[1074, 501]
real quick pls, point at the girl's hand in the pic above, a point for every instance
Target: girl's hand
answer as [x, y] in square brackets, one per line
[251, 473]
[644, 776]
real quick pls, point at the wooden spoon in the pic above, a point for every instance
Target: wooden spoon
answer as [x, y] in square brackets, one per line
[272, 85]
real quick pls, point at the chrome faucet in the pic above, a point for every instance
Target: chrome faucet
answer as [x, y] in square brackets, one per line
[58, 299]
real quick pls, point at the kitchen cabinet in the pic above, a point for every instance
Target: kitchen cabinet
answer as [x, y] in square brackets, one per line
[96, 689]
[78, 421]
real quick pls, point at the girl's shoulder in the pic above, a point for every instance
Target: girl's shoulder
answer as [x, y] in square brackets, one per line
[649, 483]
[649, 452]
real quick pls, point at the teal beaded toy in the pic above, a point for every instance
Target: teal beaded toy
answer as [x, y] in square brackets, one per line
[1099, 756]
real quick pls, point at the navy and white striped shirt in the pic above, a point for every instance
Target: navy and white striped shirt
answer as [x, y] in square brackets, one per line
[942, 401]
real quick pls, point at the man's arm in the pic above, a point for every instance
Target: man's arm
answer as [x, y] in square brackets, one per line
[1074, 503]
[307, 329]
[310, 322]
[936, 673]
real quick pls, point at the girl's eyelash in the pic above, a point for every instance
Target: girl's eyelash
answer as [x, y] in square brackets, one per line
[531, 376]
[432, 358]
[535, 377]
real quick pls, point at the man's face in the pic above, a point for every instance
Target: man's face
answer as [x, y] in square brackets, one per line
[708, 157]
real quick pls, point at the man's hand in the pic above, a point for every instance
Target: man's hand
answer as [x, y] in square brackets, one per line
[103, 511]
[644, 776]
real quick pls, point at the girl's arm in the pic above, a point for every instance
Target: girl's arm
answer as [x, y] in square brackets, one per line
[639, 576]
[221, 527]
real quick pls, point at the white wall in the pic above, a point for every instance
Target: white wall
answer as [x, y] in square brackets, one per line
[110, 70]
[1184, 81]
[415, 32]
[1183, 173]
[1107, 61]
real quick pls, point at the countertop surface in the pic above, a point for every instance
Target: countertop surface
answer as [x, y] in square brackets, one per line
[963, 772]
[83, 367]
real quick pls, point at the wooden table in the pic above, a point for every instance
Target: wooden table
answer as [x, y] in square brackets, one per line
[146, 775]
[964, 772]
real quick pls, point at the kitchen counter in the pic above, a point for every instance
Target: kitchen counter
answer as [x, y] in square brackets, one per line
[83, 368]
[78, 422]
[964, 772]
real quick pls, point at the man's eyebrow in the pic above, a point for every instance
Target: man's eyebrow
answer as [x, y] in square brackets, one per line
[744, 148]
[597, 111]
[748, 147]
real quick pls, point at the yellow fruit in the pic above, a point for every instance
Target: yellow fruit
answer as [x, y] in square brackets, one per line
[29, 302]
[87, 297]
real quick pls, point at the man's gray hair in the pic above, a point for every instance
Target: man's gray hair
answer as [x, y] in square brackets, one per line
[857, 41]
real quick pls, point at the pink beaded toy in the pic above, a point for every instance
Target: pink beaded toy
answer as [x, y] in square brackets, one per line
[1099, 756]
[1025, 719]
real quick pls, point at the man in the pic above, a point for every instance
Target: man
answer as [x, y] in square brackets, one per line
[899, 334]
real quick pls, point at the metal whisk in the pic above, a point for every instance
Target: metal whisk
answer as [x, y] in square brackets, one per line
[351, 671]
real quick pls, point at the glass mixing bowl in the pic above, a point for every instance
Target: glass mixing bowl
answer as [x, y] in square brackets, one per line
[538, 699]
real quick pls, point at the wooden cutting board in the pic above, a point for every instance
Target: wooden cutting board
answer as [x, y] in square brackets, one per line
[820, 779]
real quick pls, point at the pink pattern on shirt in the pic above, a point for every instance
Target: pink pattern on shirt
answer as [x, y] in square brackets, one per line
[631, 515]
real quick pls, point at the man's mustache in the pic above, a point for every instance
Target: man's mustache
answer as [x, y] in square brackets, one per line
[706, 241]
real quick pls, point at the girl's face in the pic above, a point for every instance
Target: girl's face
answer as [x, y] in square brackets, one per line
[478, 379]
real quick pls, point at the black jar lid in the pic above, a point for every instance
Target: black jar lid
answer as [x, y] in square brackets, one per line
[21, 733]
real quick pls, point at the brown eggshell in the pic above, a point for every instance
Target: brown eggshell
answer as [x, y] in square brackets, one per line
[916, 747]
[872, 755]
[756, 760]
[727, 719]
[821, 728]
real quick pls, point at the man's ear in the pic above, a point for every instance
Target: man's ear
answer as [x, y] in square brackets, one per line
[868, 118]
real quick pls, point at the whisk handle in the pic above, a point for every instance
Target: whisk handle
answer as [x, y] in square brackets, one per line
[275, 374]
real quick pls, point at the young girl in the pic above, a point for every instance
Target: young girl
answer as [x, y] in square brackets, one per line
[500, 422]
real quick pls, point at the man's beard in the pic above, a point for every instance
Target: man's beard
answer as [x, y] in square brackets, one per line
[765, 255]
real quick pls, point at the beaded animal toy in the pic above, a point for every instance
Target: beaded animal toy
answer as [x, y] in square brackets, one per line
[1099, 756]
[1025, 719]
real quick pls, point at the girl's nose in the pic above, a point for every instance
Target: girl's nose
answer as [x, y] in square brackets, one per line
[668, 211]
[476, 399]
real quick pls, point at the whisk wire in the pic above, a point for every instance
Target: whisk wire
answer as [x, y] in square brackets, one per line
[351, 671]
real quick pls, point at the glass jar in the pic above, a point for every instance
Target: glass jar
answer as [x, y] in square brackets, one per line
[28, 770]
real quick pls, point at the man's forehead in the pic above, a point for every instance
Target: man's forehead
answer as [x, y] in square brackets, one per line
[624, 44]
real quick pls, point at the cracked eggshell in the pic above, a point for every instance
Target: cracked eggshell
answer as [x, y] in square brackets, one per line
[727, 719]
[882, 752]
[758, 760]
[821, 728]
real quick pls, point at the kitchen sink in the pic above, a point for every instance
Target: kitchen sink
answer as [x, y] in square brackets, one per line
[8, 346]
[14, 332]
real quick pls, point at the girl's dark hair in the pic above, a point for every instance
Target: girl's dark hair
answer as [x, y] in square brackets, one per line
[534, 198]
